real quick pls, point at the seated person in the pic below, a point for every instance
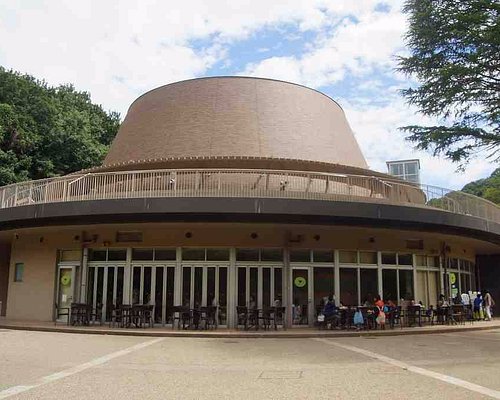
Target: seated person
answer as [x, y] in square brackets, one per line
[378, 302]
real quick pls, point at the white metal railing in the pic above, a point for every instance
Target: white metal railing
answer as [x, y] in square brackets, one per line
[243, 183]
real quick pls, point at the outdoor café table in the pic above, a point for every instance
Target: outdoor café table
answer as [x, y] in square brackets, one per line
[253, 318]
[125, 310]
[80, 313]
[413, 315]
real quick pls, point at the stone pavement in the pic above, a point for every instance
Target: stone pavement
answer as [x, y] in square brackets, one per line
[228, 333]
[48, 365]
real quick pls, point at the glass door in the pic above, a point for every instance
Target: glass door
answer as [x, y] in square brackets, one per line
[301, 297]
[105, 288]
[65, 288]
[259, 286]
[154, 285]
[206, 285]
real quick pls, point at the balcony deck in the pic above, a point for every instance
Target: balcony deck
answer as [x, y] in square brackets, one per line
[237, 183]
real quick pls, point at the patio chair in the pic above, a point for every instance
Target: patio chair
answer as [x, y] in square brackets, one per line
[96, 314]
[61, 312]
[182, 315]
[242, 313]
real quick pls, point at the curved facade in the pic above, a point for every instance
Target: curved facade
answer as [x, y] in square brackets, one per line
[233, 191]
[235, 117]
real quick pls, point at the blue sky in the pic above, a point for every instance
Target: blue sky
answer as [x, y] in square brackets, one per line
[118, 50]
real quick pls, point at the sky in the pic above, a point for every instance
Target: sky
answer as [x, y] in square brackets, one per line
[117, 50]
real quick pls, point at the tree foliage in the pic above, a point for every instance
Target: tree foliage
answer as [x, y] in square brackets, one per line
[47, 131]
[488, 188]
[455, 56]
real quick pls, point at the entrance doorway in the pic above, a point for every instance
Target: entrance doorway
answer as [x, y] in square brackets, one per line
[259, 286]
[105, 289]
[154, 285]
[206, 285]
[66, 286]
[302, 304]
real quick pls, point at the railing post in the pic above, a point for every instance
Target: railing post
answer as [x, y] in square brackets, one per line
[3, 198]
[15, 195]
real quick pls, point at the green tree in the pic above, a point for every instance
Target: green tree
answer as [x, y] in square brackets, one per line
[455, 56]
[48, 131]
[488, 188]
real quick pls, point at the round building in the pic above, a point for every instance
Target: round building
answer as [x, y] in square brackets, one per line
[232, 192]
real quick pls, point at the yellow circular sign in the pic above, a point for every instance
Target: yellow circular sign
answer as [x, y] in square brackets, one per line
[453, 278]
[300, 281]
[65, 280]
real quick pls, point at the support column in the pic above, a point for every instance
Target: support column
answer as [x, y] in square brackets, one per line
[233, 290]
[380, 276]
[336, 281]
[287, 287]
[85, 271]
[178, 277]
[127, 278]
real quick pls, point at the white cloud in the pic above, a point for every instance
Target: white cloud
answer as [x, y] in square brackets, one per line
[357, 47]
[118, 50]
[146, 43]
[376, 129]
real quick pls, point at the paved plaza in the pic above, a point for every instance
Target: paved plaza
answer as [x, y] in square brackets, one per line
[47, 365]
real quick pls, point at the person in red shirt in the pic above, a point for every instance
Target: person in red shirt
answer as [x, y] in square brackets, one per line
[378, 302]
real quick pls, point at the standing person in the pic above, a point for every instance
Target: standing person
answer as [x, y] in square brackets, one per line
[488, 303]
[478, 302]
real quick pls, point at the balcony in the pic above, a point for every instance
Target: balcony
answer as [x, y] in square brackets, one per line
[239, 183]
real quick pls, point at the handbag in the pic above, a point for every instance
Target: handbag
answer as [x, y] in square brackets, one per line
[358, 318]
[380, 317]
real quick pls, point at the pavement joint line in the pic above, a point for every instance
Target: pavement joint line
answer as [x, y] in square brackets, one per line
[15, 390]
[495, 394]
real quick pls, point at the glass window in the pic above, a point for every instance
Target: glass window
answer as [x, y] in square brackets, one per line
[19, 272]
[165, 254]
[142, 254]
[242, 286]
[368, 257]
[217, 254]
[271, 255]
[97, 255]
[247, 254]
[117, 255]
[405, 259]
[411, 169]
[421, 260]
[389, 258]
[390, 284]
[348, 257]
[193, 254]
[325, 256]
[278, 284]
[349, 286]
[369, 284]
[146, 289]
[323, 283]
[300, 255]
[433, 261]
[406, 285]
[70, 255]
[454, 263]
[186, 286]
[464, 285]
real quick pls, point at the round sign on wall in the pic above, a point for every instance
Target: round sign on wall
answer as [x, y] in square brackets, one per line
[453, 278]
[65, 280]
[300, 281]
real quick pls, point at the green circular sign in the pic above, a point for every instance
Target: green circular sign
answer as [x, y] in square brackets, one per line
[65, 280]
[453, 278]
[300, 281]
